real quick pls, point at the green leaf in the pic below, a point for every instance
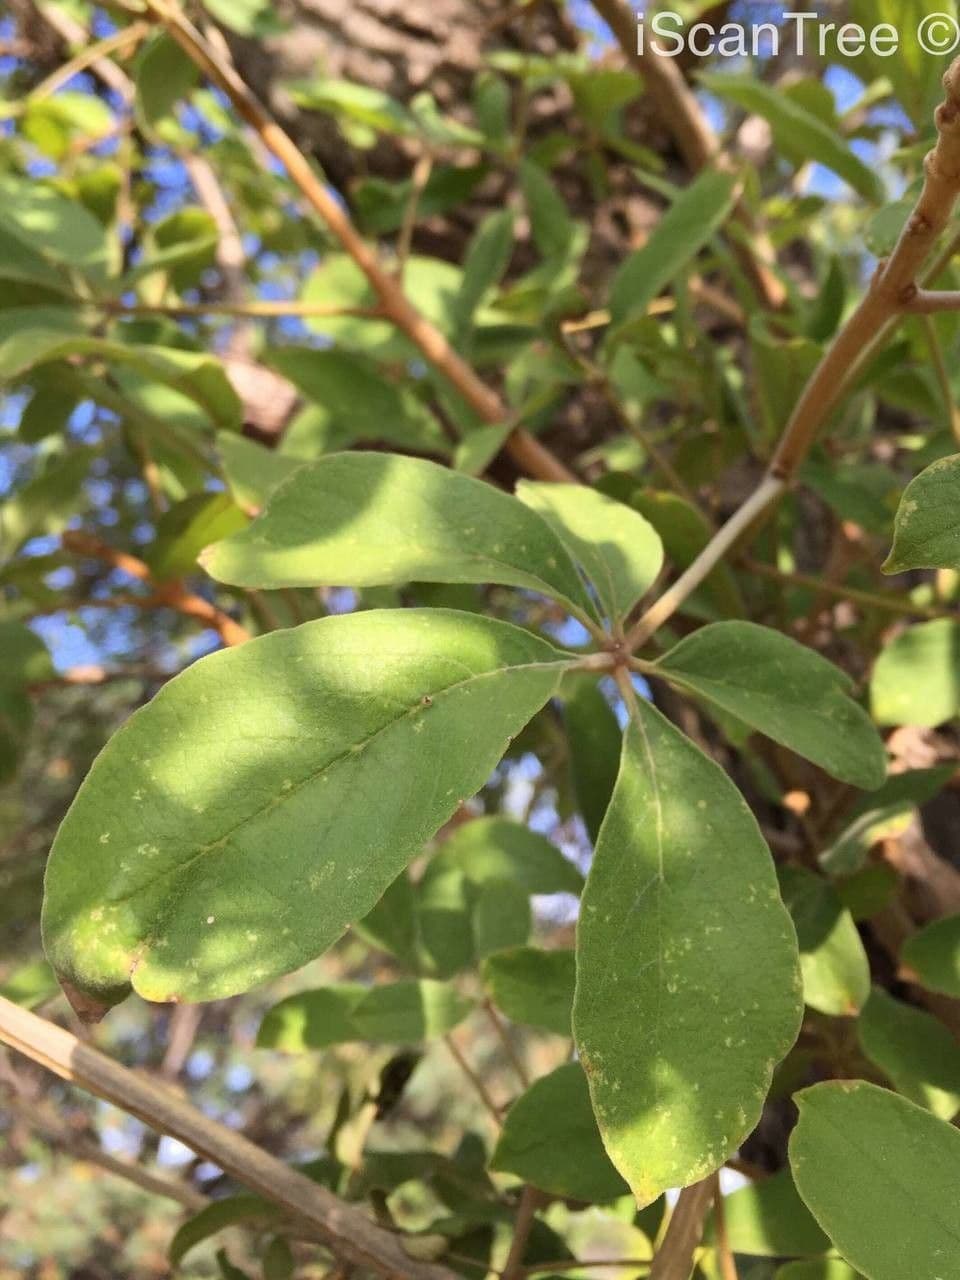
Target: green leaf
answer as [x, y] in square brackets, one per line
[880, 1175]
[199, 377]
[550, 223]
[927, 530]
[29, 985]
[278, 1261]
[374, 519]
[59, 229]
[358, 104]
[392, 925]
[798, 130]
[884, 814]
[934, 953]
[817, 1269]
[486, 260]
[165, 76]
[216, 1217]
[690, 223]
[252, 471]
[46, 504]
[184, 530]
[916, 679]
[26, 659]
[48, 411]
[683, 942]
[312, 1020]
[253, 18]
[913, 1050]
[594, 742]
[486, 849]
[409, 1011]
[836, 972]
[261, 803]
[769, 1220]
[617, 549]
[785, 690]
[353, 401]
[501, 917]
[532, 986]
[550, 1139]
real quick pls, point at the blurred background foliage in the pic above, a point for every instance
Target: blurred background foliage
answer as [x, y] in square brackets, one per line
[169, 350]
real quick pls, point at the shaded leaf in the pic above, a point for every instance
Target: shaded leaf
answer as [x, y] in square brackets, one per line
[550, 1139]
[594, 741]
[532, 986]
[836, 972]
[216, 1217]
[913, 1050]
[934, 953]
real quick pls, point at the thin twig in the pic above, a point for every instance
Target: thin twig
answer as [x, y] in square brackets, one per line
[526, 450]
[502, 1035]
[418, 184]
[674, 1260]
[85, 1149]
[940, 370]
[886, 600]
[728, 1266]
[928, 302]
[530, 1201]
[264, 309]
[344, 1229]
[170, 595]
[481, 1089]
[88, 57]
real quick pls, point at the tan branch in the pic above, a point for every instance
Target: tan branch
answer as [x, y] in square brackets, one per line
[346, 1231]
[528, 452]
[931, 301]
[171, 595]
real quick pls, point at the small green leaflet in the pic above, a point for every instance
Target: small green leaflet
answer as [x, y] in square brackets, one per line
[532, 986]
[785, 690]
[620, 552]
[396, 1013]
[797, 129]
[216, 1217]
[934, 954]
[691, 221]
[496, 848]
[927, 530]
[550, 1139]
[916, 679]
[261, 803]
[836, 971]
[913, 1050]
[688, 981]
[376, 519]
[880, 1175]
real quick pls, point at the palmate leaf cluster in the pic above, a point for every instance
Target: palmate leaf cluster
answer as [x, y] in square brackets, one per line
[335, 798]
